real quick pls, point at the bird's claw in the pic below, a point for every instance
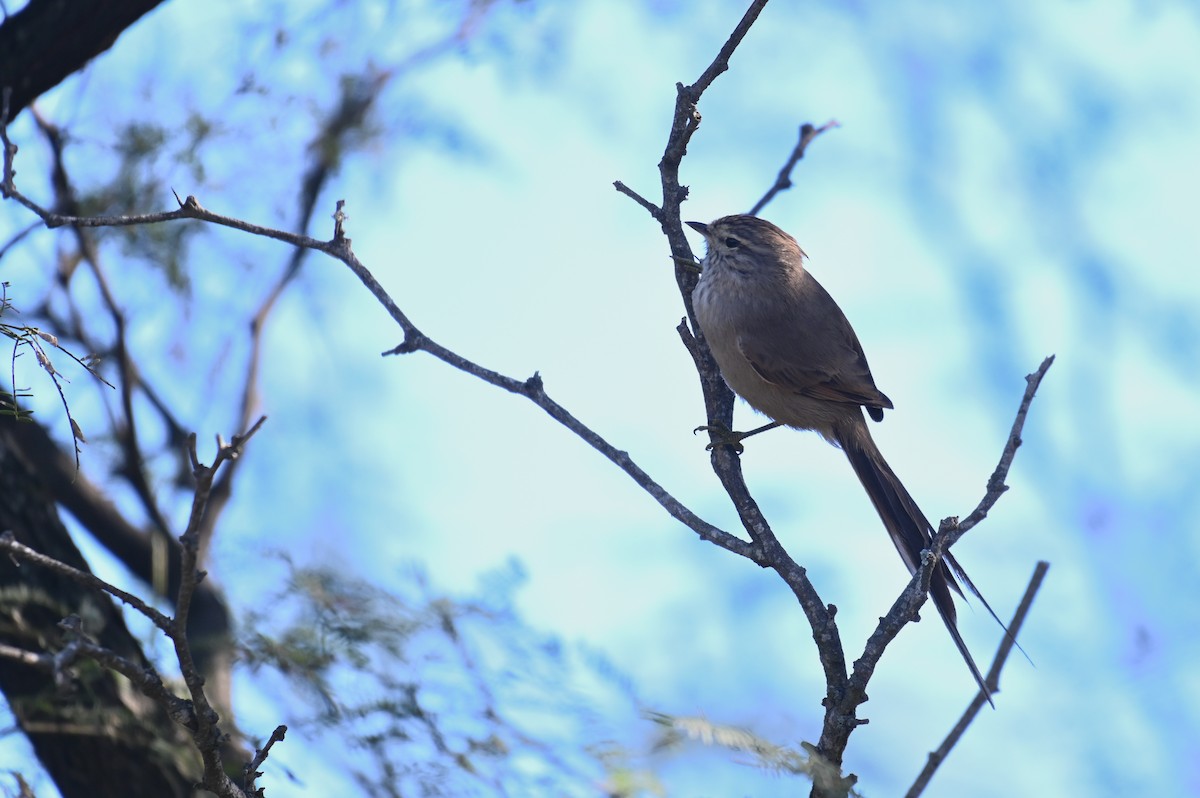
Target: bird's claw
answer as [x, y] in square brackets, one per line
[720, 435]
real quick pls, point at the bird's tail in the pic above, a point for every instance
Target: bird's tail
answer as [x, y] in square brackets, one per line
[910, 531]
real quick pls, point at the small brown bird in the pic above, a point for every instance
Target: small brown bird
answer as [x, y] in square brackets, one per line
[785, 347]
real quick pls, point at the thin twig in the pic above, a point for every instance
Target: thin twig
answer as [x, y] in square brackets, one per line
[12, 547]
[784, 180]
[415, 340]
[207, 735]
[142, 676]
[996, 486]
[993, 682]
[250, 771]
[650, 207]
[133, 468]
[721, 62]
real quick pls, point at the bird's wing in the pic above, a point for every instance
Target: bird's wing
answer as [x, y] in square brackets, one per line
[826, 364]
[843, 385]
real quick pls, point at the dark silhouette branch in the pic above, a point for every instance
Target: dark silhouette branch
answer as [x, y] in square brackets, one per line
[42, 45]
[78, 648]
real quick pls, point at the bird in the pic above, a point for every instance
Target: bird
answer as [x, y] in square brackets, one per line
[783, 344]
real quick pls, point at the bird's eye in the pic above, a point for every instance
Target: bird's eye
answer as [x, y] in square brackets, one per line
[732, 242]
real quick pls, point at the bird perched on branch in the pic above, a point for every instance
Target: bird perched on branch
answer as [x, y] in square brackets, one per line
[785, 347]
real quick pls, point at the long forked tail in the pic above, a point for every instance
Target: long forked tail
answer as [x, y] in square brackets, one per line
[910, 531]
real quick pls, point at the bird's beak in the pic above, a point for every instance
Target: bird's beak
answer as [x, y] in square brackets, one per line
[699, 227]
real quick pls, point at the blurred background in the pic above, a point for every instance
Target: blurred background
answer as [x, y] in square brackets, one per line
[1008, 181]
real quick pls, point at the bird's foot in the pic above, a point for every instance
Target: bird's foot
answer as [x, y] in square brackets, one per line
[720, 435]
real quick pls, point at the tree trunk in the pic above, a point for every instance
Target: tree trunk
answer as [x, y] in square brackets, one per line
[49, 40]
[95, 735]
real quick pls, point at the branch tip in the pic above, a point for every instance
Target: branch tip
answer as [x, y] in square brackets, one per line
[533, 385]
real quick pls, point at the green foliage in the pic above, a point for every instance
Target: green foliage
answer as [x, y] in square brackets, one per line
[435, 694]
[147, 153]
[676, 731]
[33, 340]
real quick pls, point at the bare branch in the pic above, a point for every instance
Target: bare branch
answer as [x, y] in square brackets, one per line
[414, 340]
[996, 486]
[190, 539]
[206, 735]
[250, 771]
[127, 435]
[144, 677]
[198, 714]
[653, 209]
[993, 682]
[721, 62]
[784, 181]
[20, 551]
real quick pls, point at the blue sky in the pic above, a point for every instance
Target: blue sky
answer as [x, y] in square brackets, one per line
[1007, 182]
